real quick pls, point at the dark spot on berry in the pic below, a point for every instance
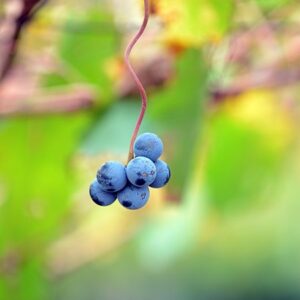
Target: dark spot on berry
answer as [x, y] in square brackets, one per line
[152, 172]
[105, 177]
[140, 181]
[141, 147]
[110, 190]
[139, 174]
[110, 184]
[143, 195]
[126, 203]
[101, 203]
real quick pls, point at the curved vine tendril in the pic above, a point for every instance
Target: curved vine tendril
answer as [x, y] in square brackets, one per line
[135, 77]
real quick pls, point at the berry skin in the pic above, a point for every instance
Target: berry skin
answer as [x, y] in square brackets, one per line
[133, 197]
[112, 177]
[148, 145]
[163, 174]
[141, 171]
[100, 197]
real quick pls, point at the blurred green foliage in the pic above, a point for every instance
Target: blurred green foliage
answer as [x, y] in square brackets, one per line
[226, 227]
[271, 4]
[178, 110]
[96, 45]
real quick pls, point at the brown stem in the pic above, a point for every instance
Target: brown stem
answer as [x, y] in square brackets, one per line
[263, 78]
[62, 101]
[13, 27]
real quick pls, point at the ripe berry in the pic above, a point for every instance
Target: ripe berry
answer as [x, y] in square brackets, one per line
[148, 145]
[141, 171]
[112, 176]
[163, 174]
[100, 197]
[133, 197]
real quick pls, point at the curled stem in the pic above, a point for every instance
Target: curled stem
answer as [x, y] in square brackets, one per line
[135, 77]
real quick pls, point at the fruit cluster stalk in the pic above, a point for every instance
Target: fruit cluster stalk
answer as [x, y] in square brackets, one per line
[135, 77]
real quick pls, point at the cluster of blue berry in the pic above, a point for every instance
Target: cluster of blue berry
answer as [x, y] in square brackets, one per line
[130, 183]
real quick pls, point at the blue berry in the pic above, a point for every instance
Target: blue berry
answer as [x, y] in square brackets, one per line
[100, 197]
[112, 176]
[133, 197]
[148, 145]
[141, 171]
[163, 174]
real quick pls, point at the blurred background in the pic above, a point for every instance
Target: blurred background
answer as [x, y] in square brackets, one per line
[223, 83]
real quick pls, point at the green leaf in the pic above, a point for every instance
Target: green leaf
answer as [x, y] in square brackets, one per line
[86, 47]
[271, 4]
[53, 80]
[178, 110]
[238, 163]
[34, 173]
[224, 10]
